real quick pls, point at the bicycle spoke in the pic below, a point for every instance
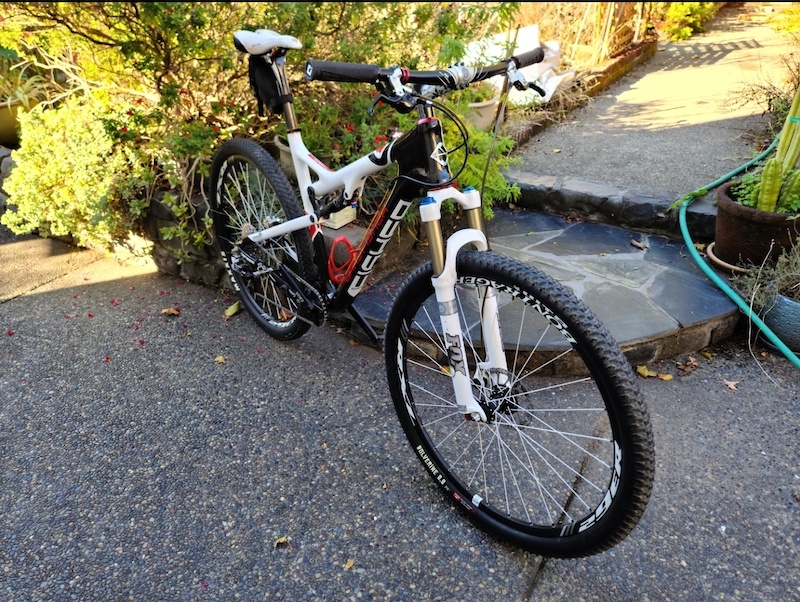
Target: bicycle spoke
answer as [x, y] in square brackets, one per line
[545, 458]
[252, 194]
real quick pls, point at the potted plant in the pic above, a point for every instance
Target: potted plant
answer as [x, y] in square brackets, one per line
[756, 214]
[478, 104]
[774, 291]
[21, 88]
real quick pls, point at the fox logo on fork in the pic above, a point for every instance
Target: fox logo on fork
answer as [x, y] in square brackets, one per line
[455, 353]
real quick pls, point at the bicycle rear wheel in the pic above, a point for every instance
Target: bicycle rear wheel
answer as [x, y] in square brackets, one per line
[250, 192]
[564, 464]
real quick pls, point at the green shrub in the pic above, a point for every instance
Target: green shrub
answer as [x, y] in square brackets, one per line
[180, 93]
[70, 178]
[495, 188]
[680, 20]
[176, 159]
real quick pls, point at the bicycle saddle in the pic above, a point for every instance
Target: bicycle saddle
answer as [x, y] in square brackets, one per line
[262, 41]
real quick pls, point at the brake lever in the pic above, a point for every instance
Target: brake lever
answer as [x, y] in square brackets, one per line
[378, 98]
[522, 86]
[401, 104]
[538, 90]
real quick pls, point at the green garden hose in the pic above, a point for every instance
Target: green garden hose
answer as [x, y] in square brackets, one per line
[735, 297]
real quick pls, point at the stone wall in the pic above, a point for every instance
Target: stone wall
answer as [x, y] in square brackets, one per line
[203, 266]
[6, 163]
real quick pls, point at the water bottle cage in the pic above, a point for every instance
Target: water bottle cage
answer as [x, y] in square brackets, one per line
[338, 271]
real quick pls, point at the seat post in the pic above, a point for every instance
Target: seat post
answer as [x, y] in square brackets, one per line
[279, 69]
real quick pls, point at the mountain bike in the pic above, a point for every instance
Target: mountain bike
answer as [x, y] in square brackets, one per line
[515, 398]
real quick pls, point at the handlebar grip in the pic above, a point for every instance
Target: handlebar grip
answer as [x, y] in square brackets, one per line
[333, 71]
[529, 58]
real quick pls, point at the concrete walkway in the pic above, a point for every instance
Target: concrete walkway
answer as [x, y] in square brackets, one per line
[179, 455]
[671, 126]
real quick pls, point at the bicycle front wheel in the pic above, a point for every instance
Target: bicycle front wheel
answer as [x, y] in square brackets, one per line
[250, 192]
[563, 466]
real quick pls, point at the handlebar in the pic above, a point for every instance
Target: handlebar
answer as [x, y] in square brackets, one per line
[452, 78]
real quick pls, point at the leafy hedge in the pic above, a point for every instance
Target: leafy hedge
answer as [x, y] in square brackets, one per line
[680, 20]
[150, 89]
[75, 181]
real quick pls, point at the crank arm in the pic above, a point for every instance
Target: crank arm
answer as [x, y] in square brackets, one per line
[285, 278]
[282, 278]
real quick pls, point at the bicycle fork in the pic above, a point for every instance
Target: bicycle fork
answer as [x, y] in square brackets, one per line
[444, 281]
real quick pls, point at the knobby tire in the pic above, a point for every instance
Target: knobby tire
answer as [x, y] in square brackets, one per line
[250, 192]
[564, 466]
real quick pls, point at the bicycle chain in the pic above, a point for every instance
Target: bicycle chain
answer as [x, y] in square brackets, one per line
[309, 288]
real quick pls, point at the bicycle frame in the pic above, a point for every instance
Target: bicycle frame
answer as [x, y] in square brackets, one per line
[538, 434]
[420, 148]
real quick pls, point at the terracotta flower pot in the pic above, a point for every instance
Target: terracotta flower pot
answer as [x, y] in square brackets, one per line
[9, 125]
[744, 235]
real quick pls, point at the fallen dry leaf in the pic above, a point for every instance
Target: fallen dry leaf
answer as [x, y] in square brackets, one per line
[731, 384]
[233, 310]
[281, 541]
[645, 372]
[707, 354]
[349, 564]
[171, 311]
[220, 359]
[687, 367]
[556, 150]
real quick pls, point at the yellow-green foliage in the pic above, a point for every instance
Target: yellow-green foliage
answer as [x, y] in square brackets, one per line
[73, 179]
[682, 19]
[770, 185]
[788, 19]
[789, 199]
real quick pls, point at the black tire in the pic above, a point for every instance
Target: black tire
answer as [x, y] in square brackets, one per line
[564, 465]
[249, 192]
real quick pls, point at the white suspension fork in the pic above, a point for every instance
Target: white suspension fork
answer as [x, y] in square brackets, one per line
[444, 288]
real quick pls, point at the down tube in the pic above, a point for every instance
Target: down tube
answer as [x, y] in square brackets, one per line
[379, 233]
